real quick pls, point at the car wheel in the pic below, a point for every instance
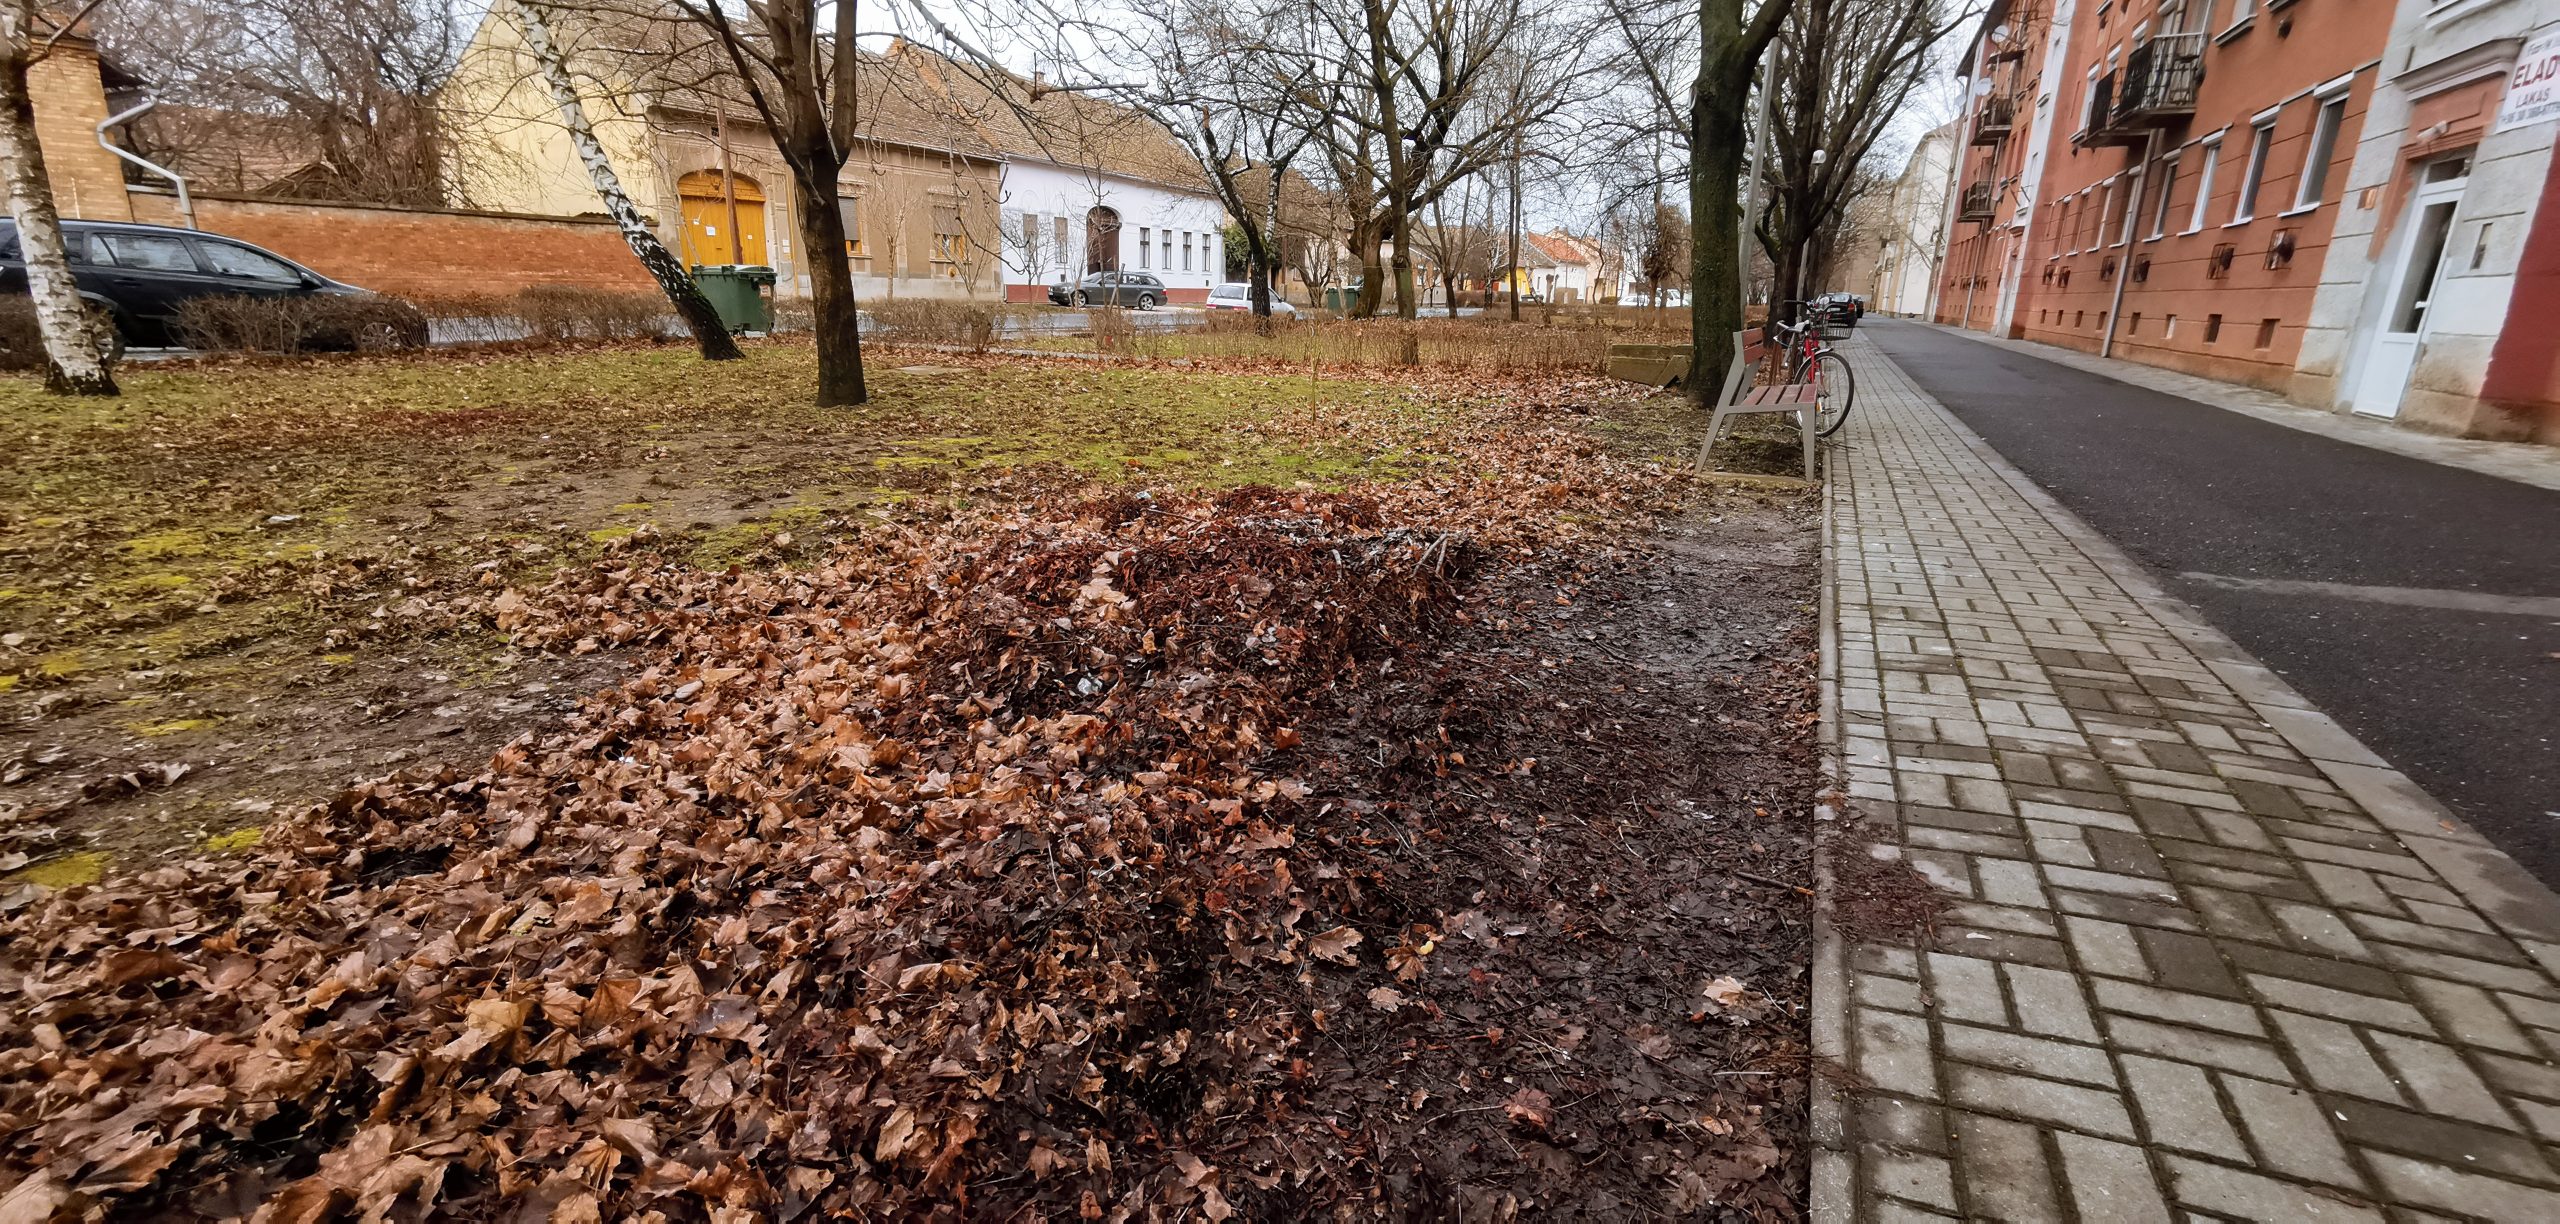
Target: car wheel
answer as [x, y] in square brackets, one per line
[1147, 301]
[1081, 299]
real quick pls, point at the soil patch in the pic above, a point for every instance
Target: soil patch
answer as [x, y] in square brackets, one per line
[1605, 1013]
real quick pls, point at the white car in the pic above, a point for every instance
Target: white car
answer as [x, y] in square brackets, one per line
[1237, 295]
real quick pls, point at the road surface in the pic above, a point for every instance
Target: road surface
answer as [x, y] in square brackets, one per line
[2418, 604]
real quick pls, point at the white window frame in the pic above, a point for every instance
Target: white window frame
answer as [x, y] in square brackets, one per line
[1146, 234]
[2165, 170]
[2253, 177]
[2326, 125]
[2242, 13]
[2212, 146]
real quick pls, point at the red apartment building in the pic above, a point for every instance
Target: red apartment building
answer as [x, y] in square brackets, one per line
[2162, 180]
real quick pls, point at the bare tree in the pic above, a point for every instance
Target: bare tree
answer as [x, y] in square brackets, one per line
[1729, 48]
[341, 94]
[682, 293]
[1842, 71]
[75, 362]
[800, 77]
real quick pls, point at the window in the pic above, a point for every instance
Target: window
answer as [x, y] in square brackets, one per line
[2266, 333]
[849, 210]
[2204, 184]
[232, 259]
[2089, 101]
[1060, 237]
[2106, 211]
[2168, 176]
[1146, 246]
[2241, 12]
[2133, 324]
[1186, 251]
[950, 240]
[2212, 328]
[2169, 327]
[2324, 150]
[156, 251]
[1031, 238]
[1168, 248]
[2263, 139]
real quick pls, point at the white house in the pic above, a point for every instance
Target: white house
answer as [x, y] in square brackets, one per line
[1088, 186]
[1570, 280]
[1062, 221]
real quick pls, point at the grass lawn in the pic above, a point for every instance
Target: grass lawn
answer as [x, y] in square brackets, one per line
[274, 575]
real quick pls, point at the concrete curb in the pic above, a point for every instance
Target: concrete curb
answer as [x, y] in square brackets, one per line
[1832, 1196]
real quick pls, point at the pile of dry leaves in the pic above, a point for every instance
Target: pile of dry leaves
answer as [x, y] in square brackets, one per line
[965, 873]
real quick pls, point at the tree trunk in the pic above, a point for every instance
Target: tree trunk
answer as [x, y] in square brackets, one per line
[1405, 304]
[682, 293]
[1515, 236]
[75, 361]
[1715, 177]
[839, 319]
[1365, 238]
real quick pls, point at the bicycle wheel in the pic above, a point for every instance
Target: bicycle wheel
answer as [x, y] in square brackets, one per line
[1835, 388]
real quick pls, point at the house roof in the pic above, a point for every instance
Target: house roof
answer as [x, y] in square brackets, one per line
[1558, 248]
[1069, 128]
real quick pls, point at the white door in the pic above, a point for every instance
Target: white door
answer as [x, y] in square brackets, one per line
[2417, 273]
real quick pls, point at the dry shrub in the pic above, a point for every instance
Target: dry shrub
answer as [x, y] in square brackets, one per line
[566, 312]
[22, 345]
[970, 325]
[1492, 346]
[351, 323]
[475, 318]
[794, 314]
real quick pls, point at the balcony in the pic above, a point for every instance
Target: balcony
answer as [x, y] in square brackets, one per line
[1997, 117]
[2156, 87]
[1978, 203]
[2160, 79]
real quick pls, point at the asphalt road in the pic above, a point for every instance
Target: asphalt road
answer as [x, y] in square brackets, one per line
[2418, 604]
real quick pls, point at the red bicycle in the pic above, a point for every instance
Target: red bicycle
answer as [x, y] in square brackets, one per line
[1804, 351]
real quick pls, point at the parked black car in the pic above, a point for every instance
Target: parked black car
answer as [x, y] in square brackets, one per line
[141, 274]
[1136, 289]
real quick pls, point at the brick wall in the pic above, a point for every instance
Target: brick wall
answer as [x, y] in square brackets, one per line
[88, 181]
[416, 252]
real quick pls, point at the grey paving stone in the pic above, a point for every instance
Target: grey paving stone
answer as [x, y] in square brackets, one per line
[2290, 1131]
[2247, 1196]
[2052, 1102]
[2111, 1181]
[2336, 1057]
[2197, 933]
[2003, 1171]
[2180, 1109]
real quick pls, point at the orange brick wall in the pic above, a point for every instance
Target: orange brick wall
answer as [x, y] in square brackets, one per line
[88, 181]
[417, 252]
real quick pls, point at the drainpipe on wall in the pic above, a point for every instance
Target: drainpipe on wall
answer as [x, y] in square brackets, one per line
[186, 203]
[2124, 266]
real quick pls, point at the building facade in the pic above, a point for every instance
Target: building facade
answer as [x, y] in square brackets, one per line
[2435, 304]
[2338, 204]
[1889, 252]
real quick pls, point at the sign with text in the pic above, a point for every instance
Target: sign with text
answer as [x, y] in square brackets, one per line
[2533, 91]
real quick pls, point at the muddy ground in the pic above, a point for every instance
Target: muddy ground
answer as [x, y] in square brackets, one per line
[1632, 1042]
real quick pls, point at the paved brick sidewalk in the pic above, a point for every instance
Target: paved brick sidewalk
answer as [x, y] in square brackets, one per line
[2208, 956]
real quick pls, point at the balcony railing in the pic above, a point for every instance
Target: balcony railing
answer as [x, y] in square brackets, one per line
[2160, 79]
[1996, 118]
[2156, 87]
[1978, 203]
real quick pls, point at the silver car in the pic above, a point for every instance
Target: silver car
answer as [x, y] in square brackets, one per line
[1237, 295]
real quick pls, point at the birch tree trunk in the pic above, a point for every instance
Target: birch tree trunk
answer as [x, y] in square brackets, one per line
[75, 361]
[682, 293]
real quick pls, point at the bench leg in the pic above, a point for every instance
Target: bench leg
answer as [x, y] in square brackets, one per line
[1715, 426]
[1804, 425]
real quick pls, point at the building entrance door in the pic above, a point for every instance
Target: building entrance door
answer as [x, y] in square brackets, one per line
[2417, 272]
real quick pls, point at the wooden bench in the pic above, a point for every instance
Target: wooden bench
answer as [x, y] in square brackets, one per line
[1737, 400]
